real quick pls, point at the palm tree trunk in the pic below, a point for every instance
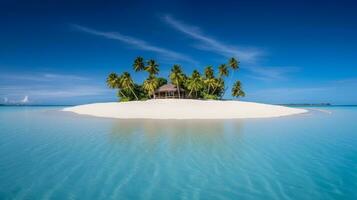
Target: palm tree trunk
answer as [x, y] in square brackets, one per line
[230, 78]
[122, 93]
[189, 94]
[215, 88]
[178, 89]
[134, 93]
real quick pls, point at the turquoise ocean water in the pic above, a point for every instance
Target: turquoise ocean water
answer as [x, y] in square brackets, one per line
[48, 154]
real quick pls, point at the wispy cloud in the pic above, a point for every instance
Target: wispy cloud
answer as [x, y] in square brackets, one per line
[137, 43]
[272, 73]
[318, 94]
[210, 44]
[351, 81]
[291, 91]
[50, 87]
[42, 77]
[248, 56]
[52, 91]
[25, 99]
[65, 76]
[332, 91]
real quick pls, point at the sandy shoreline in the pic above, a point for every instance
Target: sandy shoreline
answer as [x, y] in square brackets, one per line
[183, 109]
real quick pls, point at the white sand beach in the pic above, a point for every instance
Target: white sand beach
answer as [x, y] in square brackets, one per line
[183, 109]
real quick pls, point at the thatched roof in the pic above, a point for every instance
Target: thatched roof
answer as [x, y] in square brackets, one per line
[168, 88]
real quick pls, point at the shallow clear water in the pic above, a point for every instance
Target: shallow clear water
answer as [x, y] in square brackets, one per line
[48, 154]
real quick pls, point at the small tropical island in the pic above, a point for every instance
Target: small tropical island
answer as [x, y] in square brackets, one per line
[181, 96]
[207, 85]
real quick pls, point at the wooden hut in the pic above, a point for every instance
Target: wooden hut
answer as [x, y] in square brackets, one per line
[169, 91]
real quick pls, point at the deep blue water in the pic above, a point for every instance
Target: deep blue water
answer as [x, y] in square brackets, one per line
[48, 154]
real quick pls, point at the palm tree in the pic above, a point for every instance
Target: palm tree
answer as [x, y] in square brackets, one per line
[177, 77]
[218, 84]
[139, 64]
[112, 80]
[152, 67]
[209, 73]
[162, 81]
[210, 83]
[223, 70]
[127, 83]
[237, 90]
[209, 78]
[150, 85]
[194, 83]
[234, 64]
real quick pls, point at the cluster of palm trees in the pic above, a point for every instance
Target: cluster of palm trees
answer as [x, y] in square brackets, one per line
[206, 86]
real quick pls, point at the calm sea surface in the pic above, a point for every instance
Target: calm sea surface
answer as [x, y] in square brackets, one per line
[49, 154]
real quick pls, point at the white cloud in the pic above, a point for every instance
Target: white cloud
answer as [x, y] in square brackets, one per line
[64, 76]
[319, 94]
[332, 91]
[49, 87]
[351, 81]
[137, 43]
[53, 91]
[249, 56]
[272, 73]
[25, 99]
[209, 44]
[42, 77]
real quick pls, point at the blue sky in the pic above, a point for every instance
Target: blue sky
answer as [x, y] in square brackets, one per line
[60, 52]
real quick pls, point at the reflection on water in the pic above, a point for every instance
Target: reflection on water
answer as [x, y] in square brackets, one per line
[46, 154]
[176, 133]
